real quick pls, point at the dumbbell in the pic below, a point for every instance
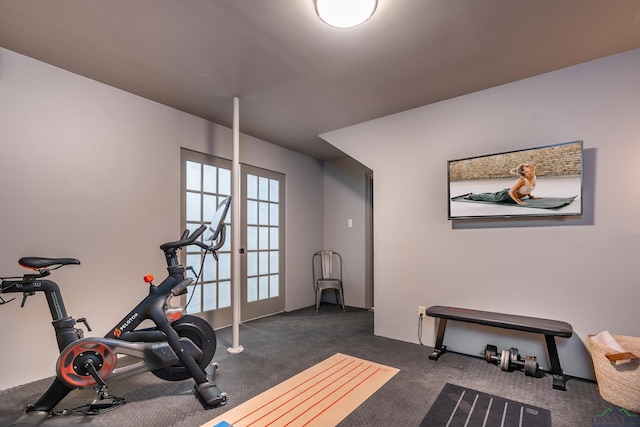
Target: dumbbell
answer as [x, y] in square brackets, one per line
[504, 360]
[491, 354]
[529, 364]
[511, 359]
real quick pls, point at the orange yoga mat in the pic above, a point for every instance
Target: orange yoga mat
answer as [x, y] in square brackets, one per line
[322, 395]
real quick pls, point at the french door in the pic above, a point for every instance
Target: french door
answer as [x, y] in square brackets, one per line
[206, 180]
[262, 281]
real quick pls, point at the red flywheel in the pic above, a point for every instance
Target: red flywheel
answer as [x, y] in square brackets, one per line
[73, 361]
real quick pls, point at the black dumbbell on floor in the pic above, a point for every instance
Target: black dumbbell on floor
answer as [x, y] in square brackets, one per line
[510, 359]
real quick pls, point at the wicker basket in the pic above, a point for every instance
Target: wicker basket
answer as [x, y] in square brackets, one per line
[619, 382]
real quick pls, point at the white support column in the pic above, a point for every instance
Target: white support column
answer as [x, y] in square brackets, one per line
[235, 221]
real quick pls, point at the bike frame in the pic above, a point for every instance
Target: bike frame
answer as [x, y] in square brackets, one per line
[28, 285]
[158, 347]
[150, 308]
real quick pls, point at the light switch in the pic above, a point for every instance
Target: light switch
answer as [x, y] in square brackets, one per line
[349, 223]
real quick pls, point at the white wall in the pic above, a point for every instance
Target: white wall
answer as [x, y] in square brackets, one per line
[584, 271]
[92, 172]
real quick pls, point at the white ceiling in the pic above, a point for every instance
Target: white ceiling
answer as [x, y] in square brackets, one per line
[295, 76]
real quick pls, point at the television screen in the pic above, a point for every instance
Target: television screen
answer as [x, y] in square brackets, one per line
[540, 181]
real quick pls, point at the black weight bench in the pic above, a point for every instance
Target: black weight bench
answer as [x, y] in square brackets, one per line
[549, 328]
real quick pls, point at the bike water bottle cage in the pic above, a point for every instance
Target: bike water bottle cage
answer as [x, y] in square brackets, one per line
[46, 264]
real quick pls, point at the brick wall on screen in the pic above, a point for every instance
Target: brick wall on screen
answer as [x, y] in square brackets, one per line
[559, 160]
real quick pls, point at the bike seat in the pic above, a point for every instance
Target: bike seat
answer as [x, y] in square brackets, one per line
[39, 262]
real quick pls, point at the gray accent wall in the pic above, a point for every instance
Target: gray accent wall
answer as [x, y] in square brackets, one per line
[584, 271]
[345, 225]
[92, 172]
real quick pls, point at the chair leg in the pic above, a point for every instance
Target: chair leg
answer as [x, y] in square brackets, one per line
[341, 298]
[318, 298]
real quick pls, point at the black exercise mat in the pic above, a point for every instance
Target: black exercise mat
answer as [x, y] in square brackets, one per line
[459, 406]
[541, 203]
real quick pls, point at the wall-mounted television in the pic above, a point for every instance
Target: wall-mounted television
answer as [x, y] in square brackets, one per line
[543, 181]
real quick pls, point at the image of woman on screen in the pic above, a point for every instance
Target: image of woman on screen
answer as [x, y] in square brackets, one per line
[523, 187]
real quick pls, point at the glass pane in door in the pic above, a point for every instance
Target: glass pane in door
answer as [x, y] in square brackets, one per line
[263, 266]
[206, 182]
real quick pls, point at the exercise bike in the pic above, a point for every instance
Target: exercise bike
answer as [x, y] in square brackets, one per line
[176, 348]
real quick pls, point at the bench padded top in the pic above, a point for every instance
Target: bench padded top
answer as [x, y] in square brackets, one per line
[500, 320]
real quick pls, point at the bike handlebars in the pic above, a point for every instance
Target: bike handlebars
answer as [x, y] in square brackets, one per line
[185, 239]
[216, 226]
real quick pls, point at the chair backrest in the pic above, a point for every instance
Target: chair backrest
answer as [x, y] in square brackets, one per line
[326, 260]
[330, 265]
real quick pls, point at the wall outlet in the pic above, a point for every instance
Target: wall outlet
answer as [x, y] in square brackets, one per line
[422, 311]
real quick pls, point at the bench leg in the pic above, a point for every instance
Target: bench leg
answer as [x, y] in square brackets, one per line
[439, 348]
[556, 370]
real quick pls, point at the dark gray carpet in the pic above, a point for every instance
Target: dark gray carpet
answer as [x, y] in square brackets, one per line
[280, 346]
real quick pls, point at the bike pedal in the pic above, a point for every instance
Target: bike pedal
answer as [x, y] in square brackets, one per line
[101, 405]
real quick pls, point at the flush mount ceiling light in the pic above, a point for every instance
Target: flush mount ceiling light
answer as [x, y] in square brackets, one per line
[345, 13]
